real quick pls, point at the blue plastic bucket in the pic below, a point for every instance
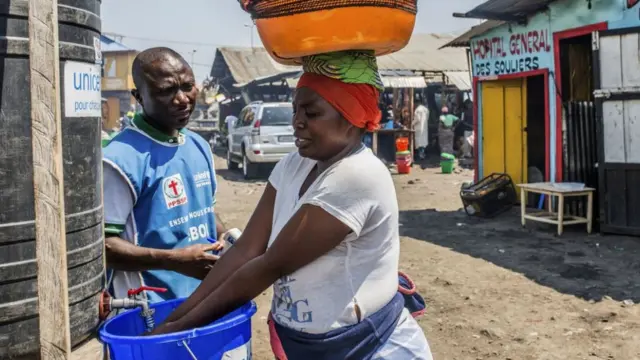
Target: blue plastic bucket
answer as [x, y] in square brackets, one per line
[230, 336]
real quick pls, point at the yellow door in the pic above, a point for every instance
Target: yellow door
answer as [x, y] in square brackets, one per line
[504, 120]
[113, 112]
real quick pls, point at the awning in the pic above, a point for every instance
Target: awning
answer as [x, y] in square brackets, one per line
[506, 10]
[465, 39]
[292, 82]
[404, 82]
[461, 79]
[269, 78]
[393, 82]
[230, 100]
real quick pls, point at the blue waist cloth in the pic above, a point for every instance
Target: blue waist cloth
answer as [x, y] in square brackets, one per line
[356, 342]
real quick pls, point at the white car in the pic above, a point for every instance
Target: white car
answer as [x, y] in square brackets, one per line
[263, 134]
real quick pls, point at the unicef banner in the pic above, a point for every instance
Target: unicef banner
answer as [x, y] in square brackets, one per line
[82, 90]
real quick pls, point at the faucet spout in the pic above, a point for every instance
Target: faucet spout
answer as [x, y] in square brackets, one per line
[128, 304]
[108, 304]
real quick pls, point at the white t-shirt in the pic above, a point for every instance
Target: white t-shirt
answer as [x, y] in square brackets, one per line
[363, 269]
[231, 122]
[118, 209]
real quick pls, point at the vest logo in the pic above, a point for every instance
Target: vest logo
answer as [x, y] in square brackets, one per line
[174, 193]
[202, 179]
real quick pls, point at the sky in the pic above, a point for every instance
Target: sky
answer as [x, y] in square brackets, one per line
[201, 25]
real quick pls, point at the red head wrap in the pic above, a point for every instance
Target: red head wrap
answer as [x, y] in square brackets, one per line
[358, 103]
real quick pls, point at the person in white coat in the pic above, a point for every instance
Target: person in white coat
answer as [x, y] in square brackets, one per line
[231, 122]
[421, 126]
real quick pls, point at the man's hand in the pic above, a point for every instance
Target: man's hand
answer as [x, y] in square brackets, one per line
[196, 260]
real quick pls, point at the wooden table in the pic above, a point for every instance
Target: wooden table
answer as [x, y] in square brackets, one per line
[409, 133]
[551, 190]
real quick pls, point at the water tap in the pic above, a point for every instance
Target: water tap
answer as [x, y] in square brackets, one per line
[108, 304]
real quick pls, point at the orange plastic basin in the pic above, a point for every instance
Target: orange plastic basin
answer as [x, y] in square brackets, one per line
[288, 38]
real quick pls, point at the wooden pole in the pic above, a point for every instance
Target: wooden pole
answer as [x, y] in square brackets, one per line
[411, 107]
[48, 182]
[397, 104]
[412, 135]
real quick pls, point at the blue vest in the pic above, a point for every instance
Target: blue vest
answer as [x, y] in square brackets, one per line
[174, 196]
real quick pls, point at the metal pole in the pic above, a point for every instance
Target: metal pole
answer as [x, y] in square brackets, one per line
[469, 64]
[250, 26]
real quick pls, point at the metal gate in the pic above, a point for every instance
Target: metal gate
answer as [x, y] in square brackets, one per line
[617, 80]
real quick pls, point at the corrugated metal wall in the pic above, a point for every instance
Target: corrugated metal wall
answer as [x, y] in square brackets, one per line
[580, 151]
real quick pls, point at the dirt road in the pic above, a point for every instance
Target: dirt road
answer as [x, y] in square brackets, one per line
[494, 290]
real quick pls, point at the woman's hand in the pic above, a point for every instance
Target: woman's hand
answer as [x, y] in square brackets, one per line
[309, 234]
[251, 244]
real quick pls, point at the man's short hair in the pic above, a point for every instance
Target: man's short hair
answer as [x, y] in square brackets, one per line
[146, 58]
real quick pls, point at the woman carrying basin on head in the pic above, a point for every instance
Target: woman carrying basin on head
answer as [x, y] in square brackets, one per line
[324, 233]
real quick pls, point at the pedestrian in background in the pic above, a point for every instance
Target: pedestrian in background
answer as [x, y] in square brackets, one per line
[127, 119]
[446, 131]
[107, 132]
[230, 122]
[421, 126]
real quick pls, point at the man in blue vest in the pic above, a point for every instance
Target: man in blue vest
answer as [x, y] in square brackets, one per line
[160, 186]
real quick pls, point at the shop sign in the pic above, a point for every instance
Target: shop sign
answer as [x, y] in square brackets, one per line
[510, 53]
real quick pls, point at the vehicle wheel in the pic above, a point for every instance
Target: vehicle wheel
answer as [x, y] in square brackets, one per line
[231, 165]
[249, 169]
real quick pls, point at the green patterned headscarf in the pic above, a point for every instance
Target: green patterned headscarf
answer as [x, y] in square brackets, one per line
[351, 67]
[349, 81]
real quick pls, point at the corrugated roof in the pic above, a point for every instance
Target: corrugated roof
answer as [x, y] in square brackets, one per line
[292, 82]
[109, 45]
[507, 10]
[423, 53]
[248, 64]
[265, 80]
[461, 79]
[465, 39]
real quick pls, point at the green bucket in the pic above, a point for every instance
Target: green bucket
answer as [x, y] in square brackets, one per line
[447, 163]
